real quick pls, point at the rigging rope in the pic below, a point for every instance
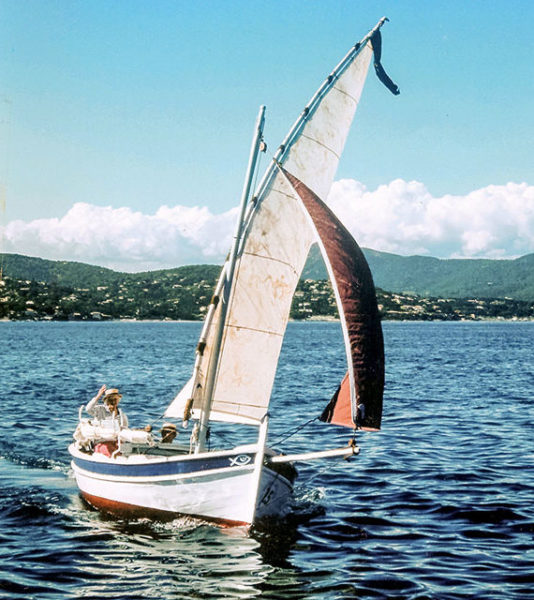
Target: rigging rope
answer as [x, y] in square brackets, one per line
[291, 432]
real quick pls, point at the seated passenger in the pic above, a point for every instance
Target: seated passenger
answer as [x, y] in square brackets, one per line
[110, 407]
[106, 448]
[168, 433]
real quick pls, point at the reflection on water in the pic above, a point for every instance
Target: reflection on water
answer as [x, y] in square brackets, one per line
[178, 559]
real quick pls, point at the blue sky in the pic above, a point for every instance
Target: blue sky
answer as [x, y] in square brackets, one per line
[139, 105]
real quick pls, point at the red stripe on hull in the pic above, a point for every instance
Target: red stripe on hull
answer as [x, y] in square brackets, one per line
[131, 511]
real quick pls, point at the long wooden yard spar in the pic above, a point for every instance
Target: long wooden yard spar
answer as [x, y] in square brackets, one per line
[241, 341]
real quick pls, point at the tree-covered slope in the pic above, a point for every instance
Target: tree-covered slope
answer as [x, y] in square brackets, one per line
[61, 272]
[422, 275]
[446, 278]
[47, 290]
[76, 274]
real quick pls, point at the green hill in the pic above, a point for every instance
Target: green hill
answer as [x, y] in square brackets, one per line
[36, 289]
[446, 278]
[421, 275]
[76, 274]
[61, 272]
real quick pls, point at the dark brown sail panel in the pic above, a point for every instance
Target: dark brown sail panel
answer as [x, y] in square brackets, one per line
[356, 296]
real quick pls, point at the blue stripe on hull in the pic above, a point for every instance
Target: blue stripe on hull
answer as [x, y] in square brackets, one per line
[174, 467]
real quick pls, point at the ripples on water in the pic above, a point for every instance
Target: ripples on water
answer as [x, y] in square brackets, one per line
[438, 505]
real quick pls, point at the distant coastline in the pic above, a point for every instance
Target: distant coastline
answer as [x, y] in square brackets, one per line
[34, 289]
[309, 320]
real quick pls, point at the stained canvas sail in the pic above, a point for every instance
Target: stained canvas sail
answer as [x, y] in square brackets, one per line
[273, 255]
[275, 244]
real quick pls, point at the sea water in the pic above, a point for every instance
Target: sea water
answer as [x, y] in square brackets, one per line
[439, 504]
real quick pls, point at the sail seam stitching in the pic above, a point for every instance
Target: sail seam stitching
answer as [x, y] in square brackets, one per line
[254, 329]
[346, 94]
[321, 144]
[233, 404]
[278, 260]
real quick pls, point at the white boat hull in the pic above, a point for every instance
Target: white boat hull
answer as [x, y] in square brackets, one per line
[217, 486]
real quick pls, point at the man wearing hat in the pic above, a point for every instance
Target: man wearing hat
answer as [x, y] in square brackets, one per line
[109, 409]
[168, 433]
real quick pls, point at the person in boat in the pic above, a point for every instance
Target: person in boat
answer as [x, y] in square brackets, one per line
[109, 409]
[168, 433]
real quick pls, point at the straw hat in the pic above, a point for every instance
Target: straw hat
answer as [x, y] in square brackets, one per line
[112, 392]
[168, 427]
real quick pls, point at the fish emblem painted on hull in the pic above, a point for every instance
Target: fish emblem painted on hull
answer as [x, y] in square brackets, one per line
[240, 461]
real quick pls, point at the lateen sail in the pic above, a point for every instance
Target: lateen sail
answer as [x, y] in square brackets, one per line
[360, 402]
[276, 243]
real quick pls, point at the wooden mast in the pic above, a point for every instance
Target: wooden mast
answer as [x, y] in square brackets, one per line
[228, 280]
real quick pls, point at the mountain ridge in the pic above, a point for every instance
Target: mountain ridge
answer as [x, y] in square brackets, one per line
[37, 289]
[422, 275]
[452, 277]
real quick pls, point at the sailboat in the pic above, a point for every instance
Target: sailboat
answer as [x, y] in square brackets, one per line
[232, 379]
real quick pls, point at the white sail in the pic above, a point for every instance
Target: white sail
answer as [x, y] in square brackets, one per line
[314, 157]
[176, 408]
[267, 273]
[275, 247]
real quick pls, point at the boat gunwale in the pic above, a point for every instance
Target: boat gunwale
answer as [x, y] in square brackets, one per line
[139, 459]
[231, 470]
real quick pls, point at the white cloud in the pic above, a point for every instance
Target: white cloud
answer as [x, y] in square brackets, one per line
[123, 239]
[401, 217]
[404, 218]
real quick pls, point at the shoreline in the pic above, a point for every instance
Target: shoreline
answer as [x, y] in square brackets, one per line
[310, 320]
